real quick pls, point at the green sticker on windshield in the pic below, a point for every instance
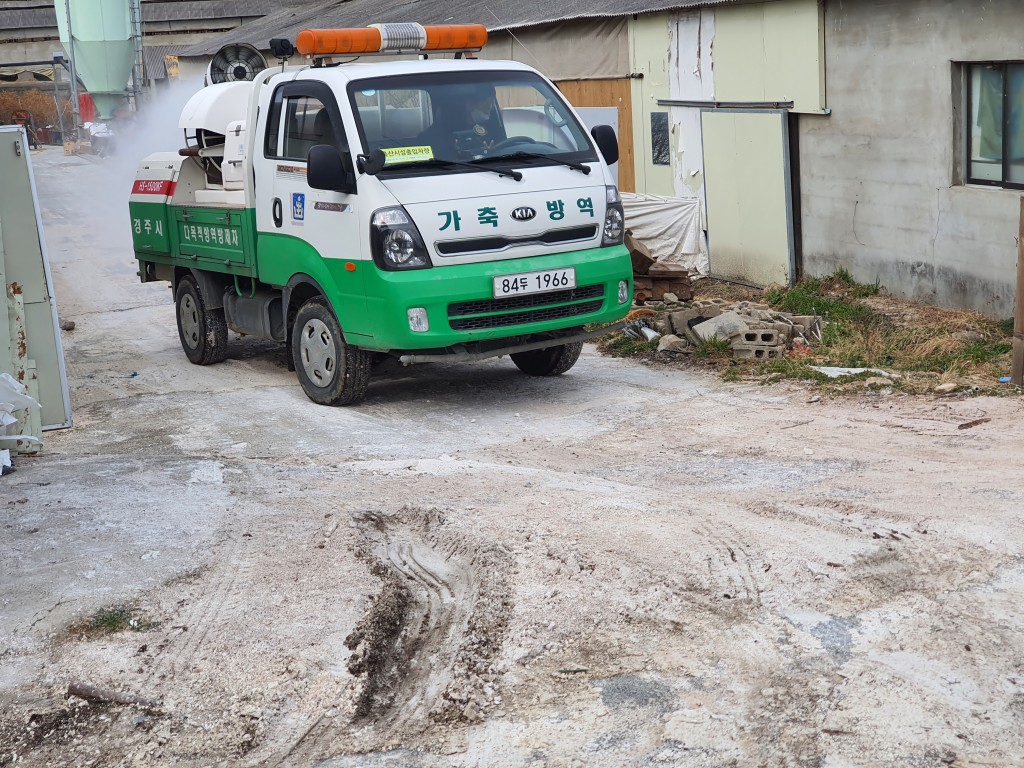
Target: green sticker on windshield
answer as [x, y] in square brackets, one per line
[408, 154]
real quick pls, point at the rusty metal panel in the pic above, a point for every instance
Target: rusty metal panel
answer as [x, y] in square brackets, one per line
[29, 336]
[24, 371]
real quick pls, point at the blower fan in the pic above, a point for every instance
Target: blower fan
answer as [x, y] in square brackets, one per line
[235, 63]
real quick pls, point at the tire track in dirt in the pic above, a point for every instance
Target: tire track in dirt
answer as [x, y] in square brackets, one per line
[731, 571]
[425, 651]
[182, 640]
[193, 626]
[848, 520]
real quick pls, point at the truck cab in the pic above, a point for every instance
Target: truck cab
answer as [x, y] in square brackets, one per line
[429, 210]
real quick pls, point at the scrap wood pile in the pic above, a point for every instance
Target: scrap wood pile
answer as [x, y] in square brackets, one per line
[663, 310]
[653, 279]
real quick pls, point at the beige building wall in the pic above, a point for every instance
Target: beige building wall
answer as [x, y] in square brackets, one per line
[649, 41]
[771, 52]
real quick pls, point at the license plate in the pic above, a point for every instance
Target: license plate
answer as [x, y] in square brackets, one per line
[534, 282]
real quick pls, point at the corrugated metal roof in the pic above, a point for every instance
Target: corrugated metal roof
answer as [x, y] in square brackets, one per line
[509, 14]
[178, 10]
[26, 16]
[154, 55]
[29, 14]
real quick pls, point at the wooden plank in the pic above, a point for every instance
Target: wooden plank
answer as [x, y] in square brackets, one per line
[609, 93]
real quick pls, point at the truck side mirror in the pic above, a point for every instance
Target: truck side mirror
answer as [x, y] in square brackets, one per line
[325, 169]
[604, 137]
[373, 163]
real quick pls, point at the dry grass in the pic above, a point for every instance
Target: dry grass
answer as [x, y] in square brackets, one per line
[39, 102]
[709, 288]
[867, 328]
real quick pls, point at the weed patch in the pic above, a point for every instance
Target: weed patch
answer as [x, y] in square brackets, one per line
[110, 621]
[620, 345]
[714, 349]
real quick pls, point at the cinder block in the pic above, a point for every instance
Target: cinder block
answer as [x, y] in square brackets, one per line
[805, 321]
[680, 321]
[756, 352]
[761, 337]
[725, 326]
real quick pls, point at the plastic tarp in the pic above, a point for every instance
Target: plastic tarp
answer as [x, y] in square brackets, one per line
[39, 72]
[581, 49]
[670, 227]
[13, 397]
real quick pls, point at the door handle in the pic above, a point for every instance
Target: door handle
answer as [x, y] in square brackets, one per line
[277, 212]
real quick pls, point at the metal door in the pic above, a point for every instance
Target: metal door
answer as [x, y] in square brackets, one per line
[749, 199]
[303, 114]
[26, 292]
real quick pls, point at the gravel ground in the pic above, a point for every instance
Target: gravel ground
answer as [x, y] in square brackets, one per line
[622, 566]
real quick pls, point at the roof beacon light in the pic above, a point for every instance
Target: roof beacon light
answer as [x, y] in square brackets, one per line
[391, 38]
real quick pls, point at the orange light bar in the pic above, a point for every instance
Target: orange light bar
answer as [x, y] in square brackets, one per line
[456, 37]
[384, 38]
[324, 42]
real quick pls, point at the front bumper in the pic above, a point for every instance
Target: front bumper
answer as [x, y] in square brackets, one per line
[461, 310]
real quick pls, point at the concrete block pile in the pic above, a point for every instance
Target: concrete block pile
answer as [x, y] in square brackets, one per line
[755, 331]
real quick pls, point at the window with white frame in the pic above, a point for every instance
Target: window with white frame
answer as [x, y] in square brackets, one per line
[995, 124]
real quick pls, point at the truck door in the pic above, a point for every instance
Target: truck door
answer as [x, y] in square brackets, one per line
[302, 229]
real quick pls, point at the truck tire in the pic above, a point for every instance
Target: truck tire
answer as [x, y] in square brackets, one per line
[552, 361]
[330, 371]
[203, 332]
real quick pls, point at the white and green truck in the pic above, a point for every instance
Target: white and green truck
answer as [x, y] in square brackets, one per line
[424, 209]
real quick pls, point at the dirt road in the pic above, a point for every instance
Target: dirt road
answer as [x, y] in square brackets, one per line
[624, 566]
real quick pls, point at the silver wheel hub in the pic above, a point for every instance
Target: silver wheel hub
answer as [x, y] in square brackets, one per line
[317, 353]
[188, 314]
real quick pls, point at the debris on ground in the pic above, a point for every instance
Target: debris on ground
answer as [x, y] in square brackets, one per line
[754, 330]
[834, 373]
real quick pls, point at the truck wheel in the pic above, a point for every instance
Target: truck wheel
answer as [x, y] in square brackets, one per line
[331, 372]
[552, 361]
[203, 332]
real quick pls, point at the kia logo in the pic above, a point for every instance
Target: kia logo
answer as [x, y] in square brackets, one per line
[523, 214]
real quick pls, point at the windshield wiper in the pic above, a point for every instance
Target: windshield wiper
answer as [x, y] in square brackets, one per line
[520, 155]
[440, 162]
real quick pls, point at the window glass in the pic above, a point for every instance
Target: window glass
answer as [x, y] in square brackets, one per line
[466, 117]
[987, 123]
[273, 127]
[660, 151]
[1015, 122]
[307, 123]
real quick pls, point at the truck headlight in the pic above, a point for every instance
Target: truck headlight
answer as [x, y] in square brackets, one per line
[395, 242]
[614, 219]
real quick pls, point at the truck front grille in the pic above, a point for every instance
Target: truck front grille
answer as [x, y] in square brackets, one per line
[497, 243]
[520, 310]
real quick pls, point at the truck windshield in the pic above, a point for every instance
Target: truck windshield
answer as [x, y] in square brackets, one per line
[510, 117]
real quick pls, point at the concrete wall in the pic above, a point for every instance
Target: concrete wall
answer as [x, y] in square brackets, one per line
[877, 176]
[30, 50]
